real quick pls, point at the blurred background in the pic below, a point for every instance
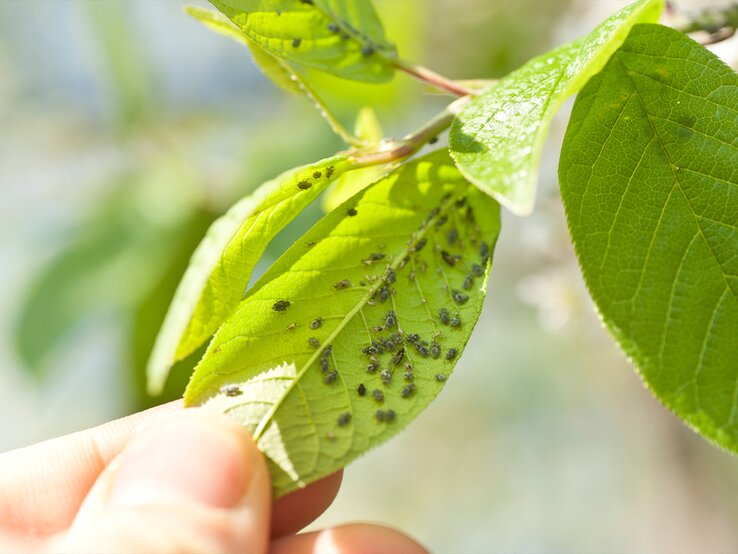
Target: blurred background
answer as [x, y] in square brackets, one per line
[126, 127]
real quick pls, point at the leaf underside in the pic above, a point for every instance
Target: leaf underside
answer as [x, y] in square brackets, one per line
[649, 179]
[341, 37]
[417, 242]
[496, 140]
[221, 266]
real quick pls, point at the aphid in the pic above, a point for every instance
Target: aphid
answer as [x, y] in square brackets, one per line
[230, 390]
[391, 276]
[450, 259]
[317, 174]
[388, 344]
[407, 390]
[343, 419]
[477, 270]
[409, 376]
[306, 1]
[362, 283]
[331, 377]
[435, 350]
[433, 213]
[444, 316]
[369, 350]
[216, 349]
[397, 358]
[403, 262]
[420, 245]
[441, 377]
[396, 337]
[390, 320]
[291, 326]
[345, 36]
[315, 343]
[452, 236]
[361, 389]
[422, 350]
[281, 305]
[441, 221]
[376, 256]
[389, 415]
[433, 140]
[329, 171]
[413, 337]
[316, 323]
[304, 185]
[343, 284]
[378, 395]
[411, 276]
[461, 201]
[454, 322]
[333, 28]
[386, 376]
[451, 353]
[468, 282]
[367, 50]
[459, 297]
[328, 351]
[296, 42]
[379, 415]
[324, 365]
[372, 367]
[483, 249]
[378, 347]
[384, 294]
[310, 244]
[351, 212]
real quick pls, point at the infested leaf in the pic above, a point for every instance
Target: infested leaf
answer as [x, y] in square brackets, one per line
[649, 179]
[313, 362]
[341, 37]
[496, 139]
[216, 280]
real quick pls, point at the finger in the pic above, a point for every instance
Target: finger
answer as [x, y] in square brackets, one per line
[43, 485]
[296, 510]
[194, 483]
[356, 538]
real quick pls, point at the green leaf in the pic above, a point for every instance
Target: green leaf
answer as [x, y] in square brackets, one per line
[496, 140]
[219, 271]
[337, 286]
[369, 132]
[344, 38]
[649, 178]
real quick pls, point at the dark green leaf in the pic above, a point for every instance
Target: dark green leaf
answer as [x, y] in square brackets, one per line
[409, 244]
[649, 178]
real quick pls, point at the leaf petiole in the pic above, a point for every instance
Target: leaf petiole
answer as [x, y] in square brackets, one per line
[432, 78]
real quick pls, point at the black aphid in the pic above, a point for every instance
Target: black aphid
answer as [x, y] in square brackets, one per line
[310, 244]
[390, 320]
[444, 316]
[483, 249]
[324, 365]
[386, 376]
[468, 282]
[317, 174]
[315, 343]
[378, 395]
[435, 350]
[304, 185]
[345, 36]
[403, 262]
[361, 389]
[370, 350]
[452, 236]
[409, 376]
[397, 358]
[389, 344]
[367, 50]
[391, 276]
[477, 270]
[396, 337]
[351, 212]
[413, 337]
[420, 245]
[378, 347]
[422, 350]
[441, 221]
[306, 1]
[384, 294]
[459, 297]
[343, 419]
[454, 322]
[376, 256]
[451, 353]
[450, 259]
[379, 415]
[362, 283]
[328, 351]
[433, 140]
[281, 305]
[230, 390]
[331, 377]
[433, 213]
[329, 171]
[373, 367]
[407, 390]
[389, 415]
[333, 28]
[342, 284]
[441, 377]
[296, 42]
[316, 323]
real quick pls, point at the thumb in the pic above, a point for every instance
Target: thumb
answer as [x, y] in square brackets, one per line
[191, 484]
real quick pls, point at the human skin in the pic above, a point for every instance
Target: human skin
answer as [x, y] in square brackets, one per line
[167, 480]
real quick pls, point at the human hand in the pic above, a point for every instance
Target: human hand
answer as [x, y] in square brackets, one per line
[166, 480]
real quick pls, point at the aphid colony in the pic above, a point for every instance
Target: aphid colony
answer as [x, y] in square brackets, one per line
[390, 348]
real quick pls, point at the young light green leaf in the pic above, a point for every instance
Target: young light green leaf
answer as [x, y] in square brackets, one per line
[344, 38]
[649, 178]
[355, 329]
[496, 140]
[220, 269]
[369, 132]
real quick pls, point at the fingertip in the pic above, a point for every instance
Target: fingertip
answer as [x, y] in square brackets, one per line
[355, 538]
[293, 512]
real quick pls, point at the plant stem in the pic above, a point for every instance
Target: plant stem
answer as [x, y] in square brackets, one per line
[720, 23]
[396, 150]
[432, 78]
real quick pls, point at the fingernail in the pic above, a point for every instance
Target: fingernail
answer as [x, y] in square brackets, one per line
[189, 458]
